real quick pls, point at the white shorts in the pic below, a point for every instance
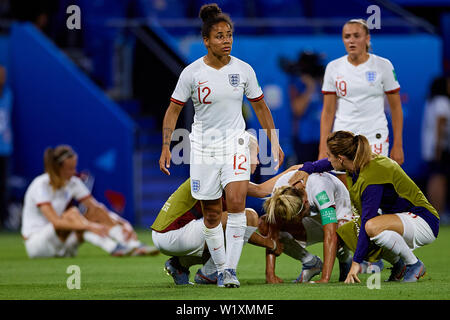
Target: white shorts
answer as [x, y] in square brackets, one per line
[416, 230]
[380, 145]
[46, 244]
[210, 173]
[186, 241]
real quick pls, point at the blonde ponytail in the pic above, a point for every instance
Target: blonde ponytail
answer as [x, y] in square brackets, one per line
[285, 204]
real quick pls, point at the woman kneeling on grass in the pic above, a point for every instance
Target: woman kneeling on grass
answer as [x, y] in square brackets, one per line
[376, 182]
[51, 228]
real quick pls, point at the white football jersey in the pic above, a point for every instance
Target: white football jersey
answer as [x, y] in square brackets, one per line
[217, 97]
[40, 192]
[360, 94]
[324, 190]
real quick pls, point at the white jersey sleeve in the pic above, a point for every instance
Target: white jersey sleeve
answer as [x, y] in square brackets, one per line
[328, 85]
[389, 77]
[183, 90]
[252, 90]
[79, 189]
[321, 194]
[41, 194]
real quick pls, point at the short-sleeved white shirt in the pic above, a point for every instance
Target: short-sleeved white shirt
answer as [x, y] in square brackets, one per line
[324, 190]
[360, 94]
[40, 192]
[217, 97]
[435, 108]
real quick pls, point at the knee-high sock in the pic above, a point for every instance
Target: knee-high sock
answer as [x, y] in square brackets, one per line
[293, 249]
[216, 245]
[234, 234]
[105, 243]
[209, 267]
[116, 233]
[393, 242]
[248, 233]
[343, 254]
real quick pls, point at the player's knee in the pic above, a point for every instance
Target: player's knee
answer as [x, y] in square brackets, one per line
[372, 228]
[235, 204]
[72, 212]
[212, 218]
[252, 217]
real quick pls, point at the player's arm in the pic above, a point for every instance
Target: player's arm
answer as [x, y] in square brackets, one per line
[169, 123]
[262, 190]
[264, 116]
[326, 121]
[271, 277]
[64, 223]
[330, 241]
[397, 126]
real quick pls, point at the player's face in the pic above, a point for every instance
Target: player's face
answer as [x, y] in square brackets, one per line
[68, 168]
[220, 39]
[335, 161]
[355, 39]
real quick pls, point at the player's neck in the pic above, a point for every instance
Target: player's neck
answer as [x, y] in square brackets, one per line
[216, 61]
[358, 59]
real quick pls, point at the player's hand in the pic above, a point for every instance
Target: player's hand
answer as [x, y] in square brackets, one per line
[294, 167]
[299, 179]
[320, 281]
[164, 160]
[397, 154]
[128, 232]
[352, 276]
[273, 279]
[97, 228]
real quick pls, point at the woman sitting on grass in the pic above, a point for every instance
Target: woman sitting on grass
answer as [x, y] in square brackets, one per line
[51, 228]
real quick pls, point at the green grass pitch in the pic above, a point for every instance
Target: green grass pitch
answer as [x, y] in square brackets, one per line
[105, 277]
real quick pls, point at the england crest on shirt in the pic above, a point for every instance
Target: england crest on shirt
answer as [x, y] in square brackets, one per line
[371, 76]
[195, 186]
[234, 79]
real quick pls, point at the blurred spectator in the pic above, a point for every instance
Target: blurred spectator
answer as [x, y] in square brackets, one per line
[306, 76]
[436, 144]
[5, 143]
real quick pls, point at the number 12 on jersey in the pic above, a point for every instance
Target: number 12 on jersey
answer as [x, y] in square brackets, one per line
[203, 90]
[239, 161]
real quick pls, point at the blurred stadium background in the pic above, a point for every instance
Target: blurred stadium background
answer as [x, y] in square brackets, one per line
[104, 88]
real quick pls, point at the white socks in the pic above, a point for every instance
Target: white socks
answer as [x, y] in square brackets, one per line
[392, 241]
[293, 249]
[105, 243]
[234, 233]
[216, 245]
[116, 233]
[209, 267]
[248, 233]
